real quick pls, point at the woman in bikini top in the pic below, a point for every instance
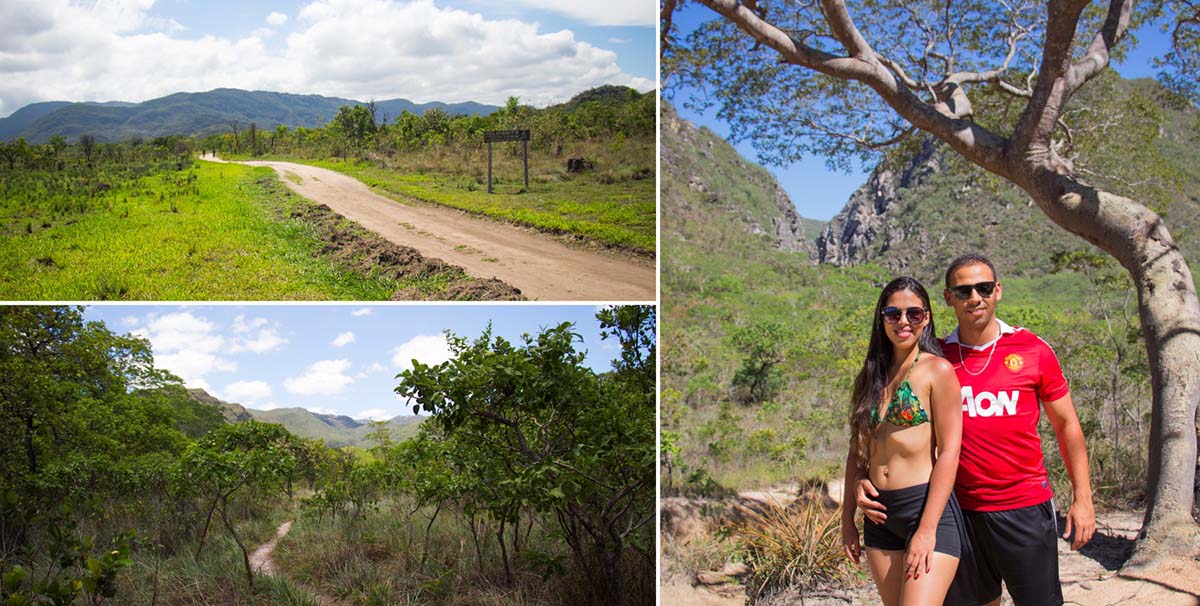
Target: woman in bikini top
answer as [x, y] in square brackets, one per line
[906, 426]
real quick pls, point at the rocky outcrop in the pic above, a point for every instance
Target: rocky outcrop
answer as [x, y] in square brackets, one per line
[865, 228]
[233, 413]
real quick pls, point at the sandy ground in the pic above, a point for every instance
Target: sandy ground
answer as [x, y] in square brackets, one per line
[1089, 576]
[260, 558]
[540, 266]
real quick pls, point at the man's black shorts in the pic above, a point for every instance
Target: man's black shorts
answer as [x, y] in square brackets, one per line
[1020, 547]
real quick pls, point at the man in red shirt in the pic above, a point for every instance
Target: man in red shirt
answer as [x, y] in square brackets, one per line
[1002, 483]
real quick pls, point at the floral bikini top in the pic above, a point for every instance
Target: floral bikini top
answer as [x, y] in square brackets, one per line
[905, 408]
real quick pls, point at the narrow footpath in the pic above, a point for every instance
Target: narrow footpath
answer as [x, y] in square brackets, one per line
[261, 561]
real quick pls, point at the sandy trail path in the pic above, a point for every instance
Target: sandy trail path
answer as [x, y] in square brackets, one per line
[541, 266]
[262, 562]
[260, 558]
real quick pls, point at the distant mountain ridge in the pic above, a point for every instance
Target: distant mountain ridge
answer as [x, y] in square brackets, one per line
[335, 430]
[199, 114]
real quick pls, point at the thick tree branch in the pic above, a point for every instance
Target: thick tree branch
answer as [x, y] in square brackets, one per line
[1100, 50]
[843, 28]
[974, 142]
[1035, 128]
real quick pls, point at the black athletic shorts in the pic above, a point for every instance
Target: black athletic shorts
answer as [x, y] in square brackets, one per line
[904, 509]
[1018, 547]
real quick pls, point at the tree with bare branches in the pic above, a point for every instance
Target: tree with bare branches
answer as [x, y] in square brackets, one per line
[847, 79]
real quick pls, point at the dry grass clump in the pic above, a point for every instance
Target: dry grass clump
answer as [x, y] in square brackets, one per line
[796, 547]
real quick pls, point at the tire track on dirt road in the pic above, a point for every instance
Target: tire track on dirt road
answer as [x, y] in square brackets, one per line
[540, 265]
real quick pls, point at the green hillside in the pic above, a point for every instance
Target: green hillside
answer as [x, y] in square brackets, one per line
[335, 430]
[198, 114]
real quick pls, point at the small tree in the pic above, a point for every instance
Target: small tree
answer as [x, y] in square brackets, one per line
[762, 345]
[87, 144]
[240, 458]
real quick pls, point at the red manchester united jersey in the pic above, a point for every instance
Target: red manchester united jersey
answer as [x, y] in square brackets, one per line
[1001, 465]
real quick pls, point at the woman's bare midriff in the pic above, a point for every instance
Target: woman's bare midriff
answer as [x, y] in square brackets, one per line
[902, 456]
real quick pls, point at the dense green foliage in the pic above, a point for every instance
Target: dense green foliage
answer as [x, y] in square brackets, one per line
[523, 436]
[117, 485]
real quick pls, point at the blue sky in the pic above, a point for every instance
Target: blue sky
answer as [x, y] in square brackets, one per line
[337, 359]
[542, 51]
[819, 193]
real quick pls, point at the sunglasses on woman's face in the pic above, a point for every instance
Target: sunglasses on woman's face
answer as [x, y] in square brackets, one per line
[962, 292]
[892, 315]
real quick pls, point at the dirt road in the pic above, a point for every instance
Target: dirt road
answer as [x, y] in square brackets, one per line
[541, 266]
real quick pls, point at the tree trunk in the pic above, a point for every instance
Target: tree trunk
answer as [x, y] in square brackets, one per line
[238, 540]
[1170, 314]
[428, 527]
[504, 554]
[207, 522]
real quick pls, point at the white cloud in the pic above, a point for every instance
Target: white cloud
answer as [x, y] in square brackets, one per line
[257, 335]
[248, 391]
[186, 345]
[113, 50]
[130, 321]
[370, 370]
[427, 349]
[615, 40]
[362, 311]
[276, 19]
[324, 378]
[343, 339]
[375, 414]
[610, 12]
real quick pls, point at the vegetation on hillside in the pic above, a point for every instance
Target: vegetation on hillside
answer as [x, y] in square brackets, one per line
[193, 115]
[119, 487]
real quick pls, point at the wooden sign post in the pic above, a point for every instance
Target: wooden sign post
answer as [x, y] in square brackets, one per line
[521, 135]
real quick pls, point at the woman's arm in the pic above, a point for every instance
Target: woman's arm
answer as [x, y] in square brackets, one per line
[945, 407]
[850, 539]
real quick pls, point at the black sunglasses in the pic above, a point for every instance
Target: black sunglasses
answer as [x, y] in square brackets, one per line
[962, 292]
[892, 315]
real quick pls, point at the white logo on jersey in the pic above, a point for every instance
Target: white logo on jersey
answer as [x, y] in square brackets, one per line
[988, 404]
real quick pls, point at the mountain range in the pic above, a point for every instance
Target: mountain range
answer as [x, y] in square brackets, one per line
[335, 430]
[197, 114]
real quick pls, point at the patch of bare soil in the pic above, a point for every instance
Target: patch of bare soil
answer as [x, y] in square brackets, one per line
[355, 248]
[1090, 577]
[541, 266]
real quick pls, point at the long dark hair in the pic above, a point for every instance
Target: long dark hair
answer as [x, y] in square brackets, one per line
[868, 386]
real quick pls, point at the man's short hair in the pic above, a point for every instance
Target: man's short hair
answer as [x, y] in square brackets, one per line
[969, 259]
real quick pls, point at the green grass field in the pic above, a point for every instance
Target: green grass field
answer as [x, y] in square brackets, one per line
[205, 232]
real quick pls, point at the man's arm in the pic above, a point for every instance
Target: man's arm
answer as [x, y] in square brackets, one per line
[1081, 516]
